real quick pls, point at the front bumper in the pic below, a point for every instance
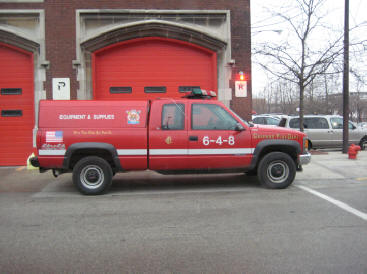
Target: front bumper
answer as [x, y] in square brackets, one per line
[304, 159]
[34, 162]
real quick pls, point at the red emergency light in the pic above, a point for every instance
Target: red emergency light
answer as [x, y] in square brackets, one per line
[242, 76]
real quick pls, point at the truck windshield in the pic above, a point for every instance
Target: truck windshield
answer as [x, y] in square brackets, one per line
[239, 118]
[212, 117]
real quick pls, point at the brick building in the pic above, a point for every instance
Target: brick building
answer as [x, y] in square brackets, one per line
[87, 49]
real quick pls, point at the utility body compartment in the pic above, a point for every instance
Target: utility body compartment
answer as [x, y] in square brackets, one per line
[123, 125]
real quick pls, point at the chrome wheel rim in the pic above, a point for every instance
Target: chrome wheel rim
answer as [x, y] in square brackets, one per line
[92, 176]
[278, 172]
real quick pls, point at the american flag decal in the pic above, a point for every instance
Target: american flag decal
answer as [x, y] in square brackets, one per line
[54, 137]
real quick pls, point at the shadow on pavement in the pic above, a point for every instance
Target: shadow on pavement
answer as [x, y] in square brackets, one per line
[151, 181]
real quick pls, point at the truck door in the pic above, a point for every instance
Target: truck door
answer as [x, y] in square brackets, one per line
[168, 139]
[214, 141]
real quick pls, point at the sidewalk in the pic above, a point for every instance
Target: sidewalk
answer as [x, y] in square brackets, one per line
[334, 165]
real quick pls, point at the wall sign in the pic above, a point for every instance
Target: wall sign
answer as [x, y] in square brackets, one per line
[241, 89]
[61, 88]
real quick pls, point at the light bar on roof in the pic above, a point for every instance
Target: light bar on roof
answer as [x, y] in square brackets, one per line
[201, 93]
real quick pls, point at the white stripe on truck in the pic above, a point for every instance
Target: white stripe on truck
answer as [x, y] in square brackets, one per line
[157, 152]
[219, 151]
[132, 152]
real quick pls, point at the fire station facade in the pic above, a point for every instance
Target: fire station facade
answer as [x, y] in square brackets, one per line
[115, 50]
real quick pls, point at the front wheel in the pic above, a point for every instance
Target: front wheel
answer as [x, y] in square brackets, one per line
[276, 170]
[363, 143]
[92, 175]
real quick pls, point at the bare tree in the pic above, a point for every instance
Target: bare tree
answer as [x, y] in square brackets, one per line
[297, 60]
[358, 104]
[279, 96]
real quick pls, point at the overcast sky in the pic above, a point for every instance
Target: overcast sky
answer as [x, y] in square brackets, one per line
[265, 27]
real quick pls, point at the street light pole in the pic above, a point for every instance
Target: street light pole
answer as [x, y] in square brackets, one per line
[346, 79]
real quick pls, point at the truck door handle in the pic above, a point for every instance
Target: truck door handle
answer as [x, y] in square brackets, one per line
[193, 138]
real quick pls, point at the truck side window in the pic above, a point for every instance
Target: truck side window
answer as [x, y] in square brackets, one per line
[173, 117]
[211, 117]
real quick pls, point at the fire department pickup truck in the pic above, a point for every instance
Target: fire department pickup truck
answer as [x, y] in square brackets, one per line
[96, 139]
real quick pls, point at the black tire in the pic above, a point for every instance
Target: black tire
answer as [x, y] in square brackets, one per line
[309, 144]
[363, 143]
[252, 172]
[276, 170]
[92, 175]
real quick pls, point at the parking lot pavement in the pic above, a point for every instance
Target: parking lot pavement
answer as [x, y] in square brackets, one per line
[199, 224]
[337, 180]
[330, 176]
[19, 179]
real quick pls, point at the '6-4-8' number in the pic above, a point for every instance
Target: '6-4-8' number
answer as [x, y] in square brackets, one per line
[219, 141]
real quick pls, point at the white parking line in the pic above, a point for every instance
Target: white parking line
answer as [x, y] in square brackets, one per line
[338, 203]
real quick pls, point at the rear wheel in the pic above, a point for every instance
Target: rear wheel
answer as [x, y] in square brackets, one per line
[276, 170]
[92, 175]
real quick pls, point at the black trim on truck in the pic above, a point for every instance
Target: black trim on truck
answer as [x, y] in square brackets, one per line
[91, 149]
[274, 145]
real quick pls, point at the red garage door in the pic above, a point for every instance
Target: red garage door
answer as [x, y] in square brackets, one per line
[16, 105]
[152, 67]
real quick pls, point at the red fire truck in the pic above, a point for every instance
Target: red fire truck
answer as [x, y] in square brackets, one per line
[96, 139]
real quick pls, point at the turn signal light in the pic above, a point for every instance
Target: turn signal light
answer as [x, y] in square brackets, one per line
[305, 144]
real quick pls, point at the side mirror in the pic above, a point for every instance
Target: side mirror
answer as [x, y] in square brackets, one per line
[239, 127]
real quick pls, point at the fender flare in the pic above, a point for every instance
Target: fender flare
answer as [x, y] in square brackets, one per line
[276, 144]
[91, 145]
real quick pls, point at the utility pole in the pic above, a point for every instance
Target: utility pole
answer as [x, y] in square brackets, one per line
[346, 79]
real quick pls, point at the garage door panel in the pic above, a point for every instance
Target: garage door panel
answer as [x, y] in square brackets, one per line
[152, 62]
[16, 72]
[22, 143]
[11, 103]
[13, 159]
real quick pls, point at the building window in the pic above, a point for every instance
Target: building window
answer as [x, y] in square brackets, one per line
[11, 113]
[118, 90]
[155, 89]
[11, 91]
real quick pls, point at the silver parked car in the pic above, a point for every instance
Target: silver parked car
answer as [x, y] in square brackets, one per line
[265, 119]
[326, 131]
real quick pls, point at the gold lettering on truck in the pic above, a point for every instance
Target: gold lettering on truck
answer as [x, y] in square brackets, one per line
[287, 136]
[92, 132]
